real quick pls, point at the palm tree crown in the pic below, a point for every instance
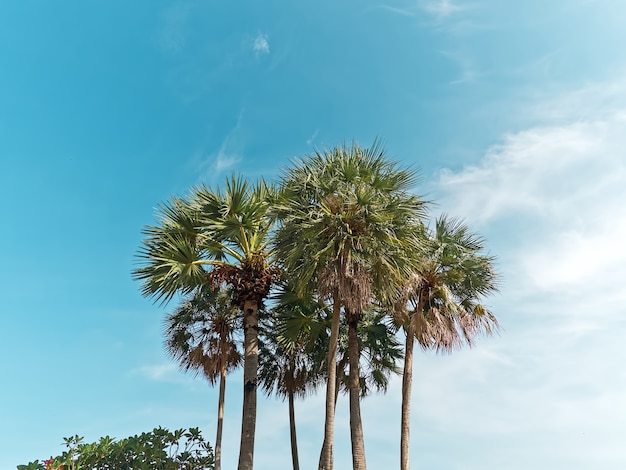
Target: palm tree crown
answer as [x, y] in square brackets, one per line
[225, 231]
[450, 278]
[200, 333]
[341, 211]
[293, 336]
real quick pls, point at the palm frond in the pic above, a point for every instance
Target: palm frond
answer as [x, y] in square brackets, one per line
[200, 334]
[450, 277]
[208, 230]
[343, 215]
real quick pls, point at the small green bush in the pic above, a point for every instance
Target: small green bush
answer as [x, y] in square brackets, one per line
[159, 449]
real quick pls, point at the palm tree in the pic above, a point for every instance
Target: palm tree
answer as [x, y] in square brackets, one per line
[379, 353]
[450, 278]
[216, 237]
[199, 335]
[291, 353]
[290, 362]
[343, 214]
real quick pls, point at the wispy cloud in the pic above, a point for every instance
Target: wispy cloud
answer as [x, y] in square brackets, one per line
[157, 372]
[227, 156]
[393, 9]
[468, 70]
[591, 256]
[172, 36]
[224, 161]
[311, 140]
[452, 17]
[441, 9]
[526, 172]
[217, 163]
[552, 384]
[261, 45]
[566, 182]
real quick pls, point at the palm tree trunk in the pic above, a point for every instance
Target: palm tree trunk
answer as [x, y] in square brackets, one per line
[220, 418]
[356, 425]
[407, 379]
[250, 370]
[326, 462]
[337, 387]
[292, 433]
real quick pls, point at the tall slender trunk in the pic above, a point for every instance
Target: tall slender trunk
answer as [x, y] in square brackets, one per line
[292, 433]
[337, 387]
[220, 416]
[407, 379]
[250, 370]
[356, 425]
[326, 462]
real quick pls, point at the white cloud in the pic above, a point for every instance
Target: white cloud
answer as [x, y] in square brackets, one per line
[565, 187]
[224, 161]
[592, 102]
[261, 45]
[537, 170]
[441, 9]
[593, 256]
[553, 198]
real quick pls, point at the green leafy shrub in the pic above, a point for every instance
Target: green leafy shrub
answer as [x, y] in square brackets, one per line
[159, 449]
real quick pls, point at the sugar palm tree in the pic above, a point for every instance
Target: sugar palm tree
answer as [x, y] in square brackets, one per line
[290, 359]
[299, 332]
[216, 237]
[440, 306]
[379, 353]
[343, 214]
[200, 336]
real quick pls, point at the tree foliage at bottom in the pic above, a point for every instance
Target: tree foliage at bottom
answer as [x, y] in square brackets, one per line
[158, 449]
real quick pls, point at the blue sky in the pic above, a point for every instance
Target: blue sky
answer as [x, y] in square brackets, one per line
[514, 111]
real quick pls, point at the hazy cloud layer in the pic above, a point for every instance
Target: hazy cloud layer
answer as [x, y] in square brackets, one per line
[551, 382]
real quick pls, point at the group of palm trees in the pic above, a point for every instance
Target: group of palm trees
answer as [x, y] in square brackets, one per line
[319, 273]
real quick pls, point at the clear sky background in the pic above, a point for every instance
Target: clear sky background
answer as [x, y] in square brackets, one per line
[514, 111]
